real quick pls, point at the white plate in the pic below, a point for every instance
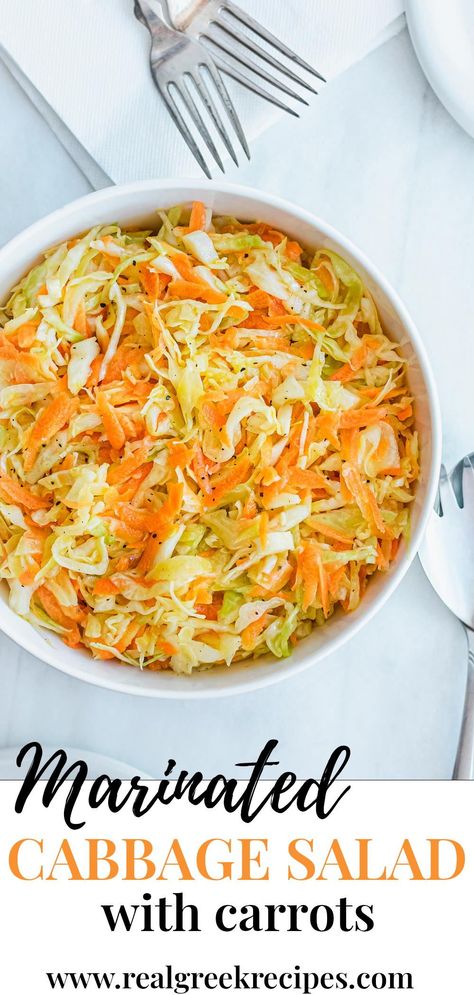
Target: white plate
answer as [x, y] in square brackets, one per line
[442, 32]
[96, 763]
[137, 204]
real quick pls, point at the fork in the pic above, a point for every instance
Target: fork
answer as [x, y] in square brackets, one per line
[178, 67]
[218, 23]
[447, 557]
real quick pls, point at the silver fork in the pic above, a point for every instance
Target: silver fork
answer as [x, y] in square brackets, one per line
[447, 556]
[179, 66]
[218, 25]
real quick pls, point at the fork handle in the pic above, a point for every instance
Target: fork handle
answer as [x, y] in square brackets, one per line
[464, 766]
[156, 25]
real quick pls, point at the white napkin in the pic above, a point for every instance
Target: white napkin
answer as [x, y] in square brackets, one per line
[89, 59]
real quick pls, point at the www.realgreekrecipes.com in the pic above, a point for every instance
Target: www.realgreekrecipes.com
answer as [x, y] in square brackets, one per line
[235, 979]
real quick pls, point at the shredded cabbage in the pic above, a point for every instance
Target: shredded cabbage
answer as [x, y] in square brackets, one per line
[207, 442]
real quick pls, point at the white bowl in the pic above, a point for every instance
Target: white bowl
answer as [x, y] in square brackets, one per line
[136, 204]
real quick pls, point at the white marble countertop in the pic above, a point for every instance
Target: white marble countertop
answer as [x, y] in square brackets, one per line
[378, 157]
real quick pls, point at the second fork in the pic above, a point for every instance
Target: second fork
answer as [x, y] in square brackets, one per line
[182, 70]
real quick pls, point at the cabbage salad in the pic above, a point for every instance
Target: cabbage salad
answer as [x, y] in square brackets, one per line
[207, 442]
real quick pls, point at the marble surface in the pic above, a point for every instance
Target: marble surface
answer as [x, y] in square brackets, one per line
[378, 157]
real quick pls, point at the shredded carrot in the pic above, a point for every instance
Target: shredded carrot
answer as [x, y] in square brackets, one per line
[28, 577]
[213, 416]
[198, 215]
[206, 321]
[381, 559]
[7, 349]
[147, 559]
[259, 299]
[349, 442]
[12, 492]
[154, 283]
[313, 575]
[68, 462]
[250, 507]
[276, 307]
[349, 370]
[111, 422]
[332, 533]
[323, 584]
[307, 479]
[364, 497]
[200, 471]
[305, 351]
[200, 592]
[154, 521]
[296, 319]
[105, 586]
[335, 580]
[186, 268]
[26, 334]
[179, 454]
[125, 562]
[250, 634]
[129, 635]
[268, 233]
[327, 427]
[51, 420]
[226, 481]
[93, 378]
[361, 417]
[275, 581]
[326, 277]
[293, 251]
[129, 488]
[124, 358]
[187, 290]
[166, 647]
[53, 609]
[118, 472]
[80, 320]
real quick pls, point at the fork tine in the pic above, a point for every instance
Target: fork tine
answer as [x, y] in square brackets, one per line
[206, 97]
[225, 97]
[468, 481]
[256, 69]
[261, 53]
[231, 70]
[137, 10]
[447, 496]
[180, 123]
[268, 37]
[198, 121]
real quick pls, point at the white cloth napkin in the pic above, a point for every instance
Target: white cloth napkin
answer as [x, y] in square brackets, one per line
[89, 59]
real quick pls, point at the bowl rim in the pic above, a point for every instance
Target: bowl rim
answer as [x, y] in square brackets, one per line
[252, 679]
